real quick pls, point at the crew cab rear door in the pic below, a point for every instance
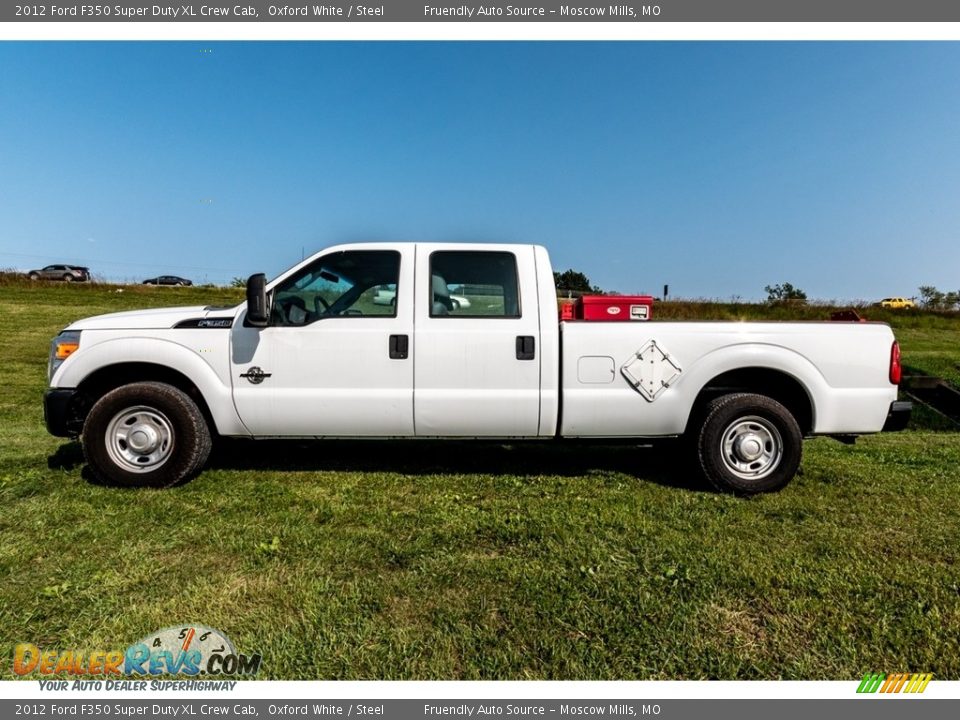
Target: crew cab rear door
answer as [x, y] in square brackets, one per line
[477, 350]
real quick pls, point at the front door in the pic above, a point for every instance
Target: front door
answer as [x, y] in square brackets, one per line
[336, 359]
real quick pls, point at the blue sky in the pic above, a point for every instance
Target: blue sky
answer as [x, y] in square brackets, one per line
[715, 167]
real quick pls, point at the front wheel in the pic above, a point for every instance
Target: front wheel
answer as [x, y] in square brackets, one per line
[749, 444]
[146, 434]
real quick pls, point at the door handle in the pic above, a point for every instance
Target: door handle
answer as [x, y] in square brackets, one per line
[399, 347]
[526, 347]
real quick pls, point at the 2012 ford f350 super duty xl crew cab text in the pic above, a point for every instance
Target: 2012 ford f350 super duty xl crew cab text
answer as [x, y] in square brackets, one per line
[313, 354]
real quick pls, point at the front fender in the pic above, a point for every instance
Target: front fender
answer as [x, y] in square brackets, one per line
[162, 352]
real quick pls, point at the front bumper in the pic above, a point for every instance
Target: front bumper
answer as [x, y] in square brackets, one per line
[59, 412]
[898, 416]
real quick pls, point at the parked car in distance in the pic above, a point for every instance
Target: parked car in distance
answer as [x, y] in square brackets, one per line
[387, 295]
[67, 273]
[167, 280]
[897, 303]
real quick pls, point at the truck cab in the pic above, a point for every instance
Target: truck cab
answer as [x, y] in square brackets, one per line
[340, 363]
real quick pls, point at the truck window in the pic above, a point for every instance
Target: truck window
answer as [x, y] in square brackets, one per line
[468, 283]
[344, 284]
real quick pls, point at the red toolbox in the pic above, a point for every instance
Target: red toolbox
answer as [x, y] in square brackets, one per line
[609, 307]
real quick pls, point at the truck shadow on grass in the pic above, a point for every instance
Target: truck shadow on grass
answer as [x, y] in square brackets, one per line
[663, 463]
[66, 457]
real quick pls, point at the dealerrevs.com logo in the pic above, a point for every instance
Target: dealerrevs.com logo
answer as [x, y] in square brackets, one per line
[190, 650]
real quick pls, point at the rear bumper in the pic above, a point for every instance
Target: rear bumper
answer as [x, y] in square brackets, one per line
[59, 412]
[898, 416]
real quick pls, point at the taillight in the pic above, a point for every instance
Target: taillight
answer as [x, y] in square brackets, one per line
[896, 369]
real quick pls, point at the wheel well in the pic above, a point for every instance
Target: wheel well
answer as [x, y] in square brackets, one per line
[783, 388]
[99, 383]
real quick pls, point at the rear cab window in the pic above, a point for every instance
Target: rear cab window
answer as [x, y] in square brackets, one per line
[474, 283]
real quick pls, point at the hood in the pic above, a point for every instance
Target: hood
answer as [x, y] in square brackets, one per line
[159, 318]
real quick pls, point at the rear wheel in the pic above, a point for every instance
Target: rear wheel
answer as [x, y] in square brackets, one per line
[146, 434]
[749, 444]
[68, 278]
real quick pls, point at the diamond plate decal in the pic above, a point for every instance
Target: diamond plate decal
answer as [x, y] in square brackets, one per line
[651, 370]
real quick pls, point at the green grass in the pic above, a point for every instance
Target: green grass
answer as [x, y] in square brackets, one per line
[452, 560]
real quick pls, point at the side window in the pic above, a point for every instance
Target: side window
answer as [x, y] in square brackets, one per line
[353, 283]
[474, 283]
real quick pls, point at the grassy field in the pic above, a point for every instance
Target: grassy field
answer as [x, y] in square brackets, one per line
[450, 560]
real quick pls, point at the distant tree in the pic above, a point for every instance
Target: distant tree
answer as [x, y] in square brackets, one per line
[784, 292]
[238, 282]
[930, 297]
[934, 299]
[574, 281]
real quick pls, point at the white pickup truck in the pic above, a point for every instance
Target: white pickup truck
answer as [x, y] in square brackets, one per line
[311, 354]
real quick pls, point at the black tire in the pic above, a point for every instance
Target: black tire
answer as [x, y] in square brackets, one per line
[34, 276]
[748, 444]
[68, 278]
[172, 433]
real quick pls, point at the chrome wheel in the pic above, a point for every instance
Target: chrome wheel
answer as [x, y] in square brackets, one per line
[751, 447]
[139, 439]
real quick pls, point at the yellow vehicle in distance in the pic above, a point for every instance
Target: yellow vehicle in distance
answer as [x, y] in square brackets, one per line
[897, 303]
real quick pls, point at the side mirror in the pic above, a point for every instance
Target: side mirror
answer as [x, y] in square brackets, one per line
[258, 314]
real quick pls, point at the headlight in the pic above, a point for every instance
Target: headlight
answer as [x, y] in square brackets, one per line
[63, 346]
